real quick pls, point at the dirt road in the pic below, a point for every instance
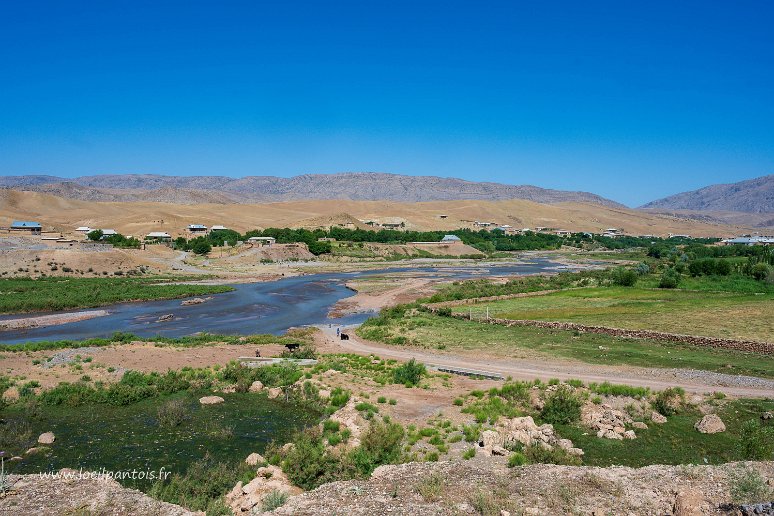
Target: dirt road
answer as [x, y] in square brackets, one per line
[654, 378]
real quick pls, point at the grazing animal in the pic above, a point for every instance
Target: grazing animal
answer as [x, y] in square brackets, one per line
[344, 336]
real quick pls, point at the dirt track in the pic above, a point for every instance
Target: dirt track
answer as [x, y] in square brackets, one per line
[657, 379]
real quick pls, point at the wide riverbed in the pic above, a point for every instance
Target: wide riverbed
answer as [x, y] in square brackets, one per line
[252, 308]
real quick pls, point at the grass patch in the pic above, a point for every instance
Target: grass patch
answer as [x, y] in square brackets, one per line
[50, 294]
[428, 331]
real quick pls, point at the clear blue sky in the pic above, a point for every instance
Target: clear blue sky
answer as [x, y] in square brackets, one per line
[630, 100]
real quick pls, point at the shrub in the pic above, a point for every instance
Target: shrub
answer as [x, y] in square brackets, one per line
[273, 500]
[755, 441]
[201, 247]
[431, 487]
[562, 406]
[172, 413]
[748, 486]
[760, 271]
[469, 453]
[537, 454]
[669, 401]
[517, 459]
[623, 277]
[670, 278]
[410, 373]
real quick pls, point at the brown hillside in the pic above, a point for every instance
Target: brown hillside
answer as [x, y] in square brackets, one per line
[139, 218]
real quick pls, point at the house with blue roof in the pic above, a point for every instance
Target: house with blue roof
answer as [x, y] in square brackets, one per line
[33, 228]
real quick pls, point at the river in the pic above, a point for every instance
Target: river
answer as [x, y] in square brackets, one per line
[253, 308]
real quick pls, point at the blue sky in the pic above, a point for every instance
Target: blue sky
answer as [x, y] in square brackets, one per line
[630, 100]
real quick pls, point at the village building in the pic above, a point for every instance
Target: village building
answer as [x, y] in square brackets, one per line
[33, 228]
[451, 238]
[83, 229]
[159, 236]
[262, 241]
[750, 240]
[218, 228]
[197, 229]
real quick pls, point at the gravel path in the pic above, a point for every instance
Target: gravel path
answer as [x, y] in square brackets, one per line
[529, 369]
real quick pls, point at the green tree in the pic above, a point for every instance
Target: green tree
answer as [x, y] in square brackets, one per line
[95, 235]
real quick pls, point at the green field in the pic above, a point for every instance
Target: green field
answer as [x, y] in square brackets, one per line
[426, 330]
[716, 314]
[50, 294]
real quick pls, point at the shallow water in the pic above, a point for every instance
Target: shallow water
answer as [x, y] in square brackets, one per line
[93, 437]
[252, 308]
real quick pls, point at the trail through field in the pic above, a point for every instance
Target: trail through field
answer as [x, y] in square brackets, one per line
[657, 379]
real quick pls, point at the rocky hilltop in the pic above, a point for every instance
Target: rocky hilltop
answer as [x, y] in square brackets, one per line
[365, 186]
[751, 196]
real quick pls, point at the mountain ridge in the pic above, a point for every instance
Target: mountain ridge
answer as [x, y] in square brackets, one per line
[360, 186]
[749, 196]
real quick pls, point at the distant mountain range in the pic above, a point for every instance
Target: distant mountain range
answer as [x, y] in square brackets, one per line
[360, 186]
[751, 196]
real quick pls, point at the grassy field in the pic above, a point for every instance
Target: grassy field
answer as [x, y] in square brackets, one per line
[674, 442]
[721, 314]
[49, 294]
[436, 332]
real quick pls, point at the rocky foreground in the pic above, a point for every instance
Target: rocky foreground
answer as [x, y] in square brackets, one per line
[470, 487]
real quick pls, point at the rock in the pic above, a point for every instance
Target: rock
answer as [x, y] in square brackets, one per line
[47, 438]
[243, 498]
[194, 301]
[503, 512]
[640, 425]
[710, 424]
[228, 389]
[657, 418]
[16, 458]
[275, 392]
[629, 434]
[165, 318]
[604, 417]
[256, 386]
[499, 451]
[767, 416]
[254, 459]
[688, 503]
[211, 400]
[288, 446]
[32, 450]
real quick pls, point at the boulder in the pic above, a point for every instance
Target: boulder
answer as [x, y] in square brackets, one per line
[640, 425]
[47, 438]
[256, 386]
[275, 392]
[211, 400]
[629, 434]
[228, 389]
[165, 318]
[657, 418]
[710, 424]
[254, 459]
[244, 497]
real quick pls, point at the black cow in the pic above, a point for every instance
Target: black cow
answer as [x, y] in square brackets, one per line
[344, 336]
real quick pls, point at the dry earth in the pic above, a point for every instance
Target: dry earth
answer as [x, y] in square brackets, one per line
[486, 487]
[139, 218]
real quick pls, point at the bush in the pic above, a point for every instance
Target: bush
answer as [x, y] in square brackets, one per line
[172, 413]
[410, 373]
[669, 401]
[756, 442]
[201, 247]
[562, 406]
[517, 459]
[748, 486]
[669, 279]
[274, 500]
[624, 277]
[537, 454]
[469, 453]
[760, 271]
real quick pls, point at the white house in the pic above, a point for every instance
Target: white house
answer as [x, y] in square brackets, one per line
[267, 241]
[197, 228]
[159, 236]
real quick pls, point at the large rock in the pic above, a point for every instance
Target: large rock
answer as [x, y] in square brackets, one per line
[256, 386]
[275, 392]
[523, 430]
[657, 418]
[271, 478]
[211, 400]
[710, 424]
[254, 459]
[47, 438]
[609, 423]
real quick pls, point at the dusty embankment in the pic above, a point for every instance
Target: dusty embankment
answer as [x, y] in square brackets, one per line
[481, 487]
[545, 369]
[37, 321]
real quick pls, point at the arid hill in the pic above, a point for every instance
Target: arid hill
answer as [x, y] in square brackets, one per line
[751, 196]
[364, 186]
[139, 218]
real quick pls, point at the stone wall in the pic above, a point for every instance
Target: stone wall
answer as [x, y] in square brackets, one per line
[749, 346]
